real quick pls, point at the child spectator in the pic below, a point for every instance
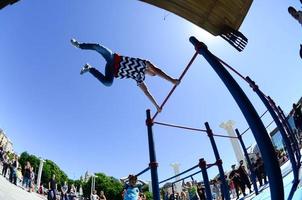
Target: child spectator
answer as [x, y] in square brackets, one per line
[131, 188]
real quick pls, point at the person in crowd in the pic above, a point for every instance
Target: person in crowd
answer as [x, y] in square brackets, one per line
[102, 195]
[183, 196]
[177, 196]
[192, 190]
[5, 163]
[41, 189]
[232, 189]
[166, 195]
[26, 176]
[235, 177]
[64, 190]
[32, 179]
[261, 174]
[201, 191]
[172, 196]
[72, 192]
[132, 187]
[19, 175]
[1, 153]
[216, 190]
[94, 195]
[244, 176]
[297, 115]
[52, 188]
[281, 155]
[123, 67]
[13, 170]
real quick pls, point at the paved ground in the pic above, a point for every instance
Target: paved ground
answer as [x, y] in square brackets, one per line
[9, 191]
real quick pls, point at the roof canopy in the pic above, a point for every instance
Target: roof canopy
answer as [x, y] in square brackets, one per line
[4, 3]
[215, 16]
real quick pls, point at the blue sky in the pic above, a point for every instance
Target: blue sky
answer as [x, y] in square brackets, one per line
[48, 109]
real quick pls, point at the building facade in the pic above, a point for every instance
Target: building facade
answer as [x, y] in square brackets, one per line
[5, 142]
[276, 135]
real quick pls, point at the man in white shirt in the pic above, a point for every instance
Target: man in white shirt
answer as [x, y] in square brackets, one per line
[94, 195]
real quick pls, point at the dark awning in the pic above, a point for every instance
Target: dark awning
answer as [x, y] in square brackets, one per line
[218, 17]
[211, 15]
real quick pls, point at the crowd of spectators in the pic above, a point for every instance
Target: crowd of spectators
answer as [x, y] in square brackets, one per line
[11, 169]
[238, 180]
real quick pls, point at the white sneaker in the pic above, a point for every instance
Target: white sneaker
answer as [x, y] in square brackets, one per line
[75, 43]
[85, 69]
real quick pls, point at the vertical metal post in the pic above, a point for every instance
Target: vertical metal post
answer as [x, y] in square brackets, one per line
[205, 177]
[153, 164]
[261, 136]
[249, 164]
[224, 185]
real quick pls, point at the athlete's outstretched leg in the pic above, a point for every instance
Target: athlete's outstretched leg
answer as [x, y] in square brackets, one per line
[104, 51]
[106, 79]
[153, 70]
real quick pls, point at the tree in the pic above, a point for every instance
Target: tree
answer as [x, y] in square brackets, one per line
[49, 168]
[32, 159]
[111, 186]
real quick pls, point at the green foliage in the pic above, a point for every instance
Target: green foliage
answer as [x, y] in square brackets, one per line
[148, 195]
[111, 186]
[32, 159]
[145, 188]
[49, 168]
[10, 155]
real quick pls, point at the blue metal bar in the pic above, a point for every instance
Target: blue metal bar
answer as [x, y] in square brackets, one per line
[137, 175]
[249, 164]
[187, 177]
[261, 136]
[179, 174]
[224, 185]
[205, 177]
[249, 127]
[153, 163]
[280, 127]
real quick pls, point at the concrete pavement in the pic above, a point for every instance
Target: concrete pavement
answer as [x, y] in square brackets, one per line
[10, 191]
